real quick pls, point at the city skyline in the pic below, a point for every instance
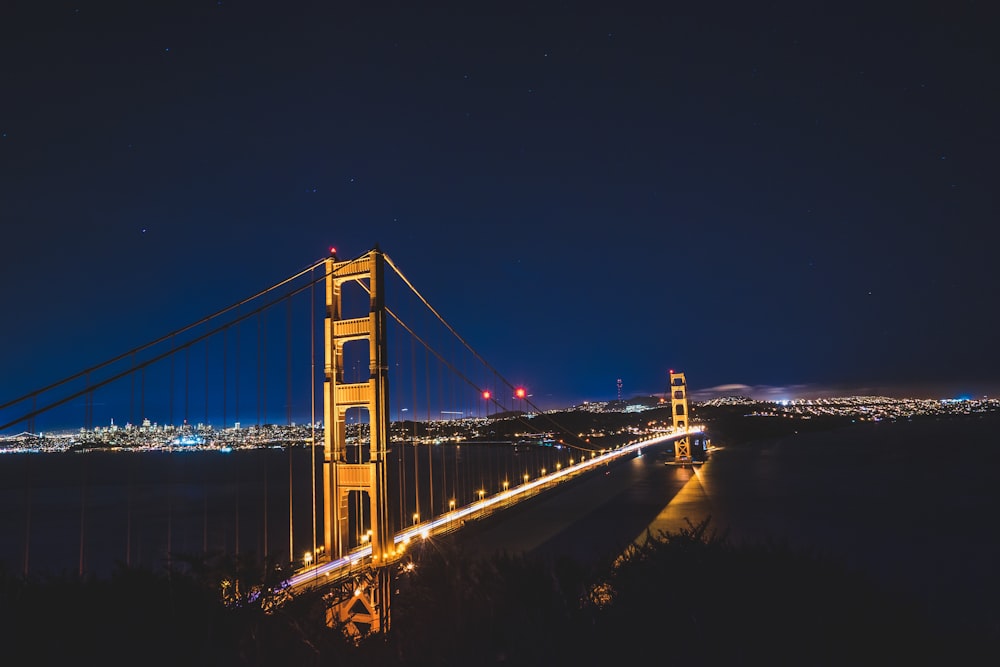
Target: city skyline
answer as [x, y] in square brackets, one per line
[789, 202]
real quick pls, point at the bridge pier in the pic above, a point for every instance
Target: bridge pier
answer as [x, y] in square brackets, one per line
[361, 606]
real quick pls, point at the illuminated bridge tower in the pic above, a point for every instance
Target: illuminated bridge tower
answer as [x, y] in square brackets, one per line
[679, 408]
[368, 603]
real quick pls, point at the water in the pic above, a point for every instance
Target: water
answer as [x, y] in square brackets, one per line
[72, 511]
[912, 503]
[87, 512]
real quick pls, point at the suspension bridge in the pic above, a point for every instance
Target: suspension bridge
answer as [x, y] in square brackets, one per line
[318, 365]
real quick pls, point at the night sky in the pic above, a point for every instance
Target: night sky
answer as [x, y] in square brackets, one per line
[779, 199]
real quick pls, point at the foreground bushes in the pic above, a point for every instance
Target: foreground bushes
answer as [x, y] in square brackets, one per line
[685, 598]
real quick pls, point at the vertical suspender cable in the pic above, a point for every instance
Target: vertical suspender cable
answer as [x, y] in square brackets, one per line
[262, 406]
[170, 462]
[262, 342]
[88, 407]
[444, 463]
[142, 396]
[128, 515]
[288, 362]
[236, 540]
[131, 404]
[225, 375]
[288, 420]
[236, 417]
[204, 507]
[206, 383]
[259, 315]
[264, 464]
[27, 517]
[416, 471]
[83, 511]
[312, 414]
[430, 449]
[171, 411]
[187, 384]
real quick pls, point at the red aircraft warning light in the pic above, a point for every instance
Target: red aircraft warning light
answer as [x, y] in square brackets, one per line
[487, 394]
[519, 392]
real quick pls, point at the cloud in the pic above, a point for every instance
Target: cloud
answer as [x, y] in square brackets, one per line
[764, 392]
[728, 388]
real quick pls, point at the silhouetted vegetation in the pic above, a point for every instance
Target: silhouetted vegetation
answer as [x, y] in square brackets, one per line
[684, 598]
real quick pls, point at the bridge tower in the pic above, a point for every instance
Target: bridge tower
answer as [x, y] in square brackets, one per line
[366, 604]
[679, 408]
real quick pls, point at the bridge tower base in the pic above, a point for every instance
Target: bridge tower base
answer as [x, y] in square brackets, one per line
[360, 607]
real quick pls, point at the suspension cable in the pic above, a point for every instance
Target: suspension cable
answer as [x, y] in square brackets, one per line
[470, 349]
[233, 323]
[159, 340]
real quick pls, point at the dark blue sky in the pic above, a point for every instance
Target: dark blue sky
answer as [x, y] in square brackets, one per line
[796, 195]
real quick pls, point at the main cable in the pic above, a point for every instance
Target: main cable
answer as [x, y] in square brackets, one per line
[158, 340]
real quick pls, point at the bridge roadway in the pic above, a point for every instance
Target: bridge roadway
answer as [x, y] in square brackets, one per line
[359, 559]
